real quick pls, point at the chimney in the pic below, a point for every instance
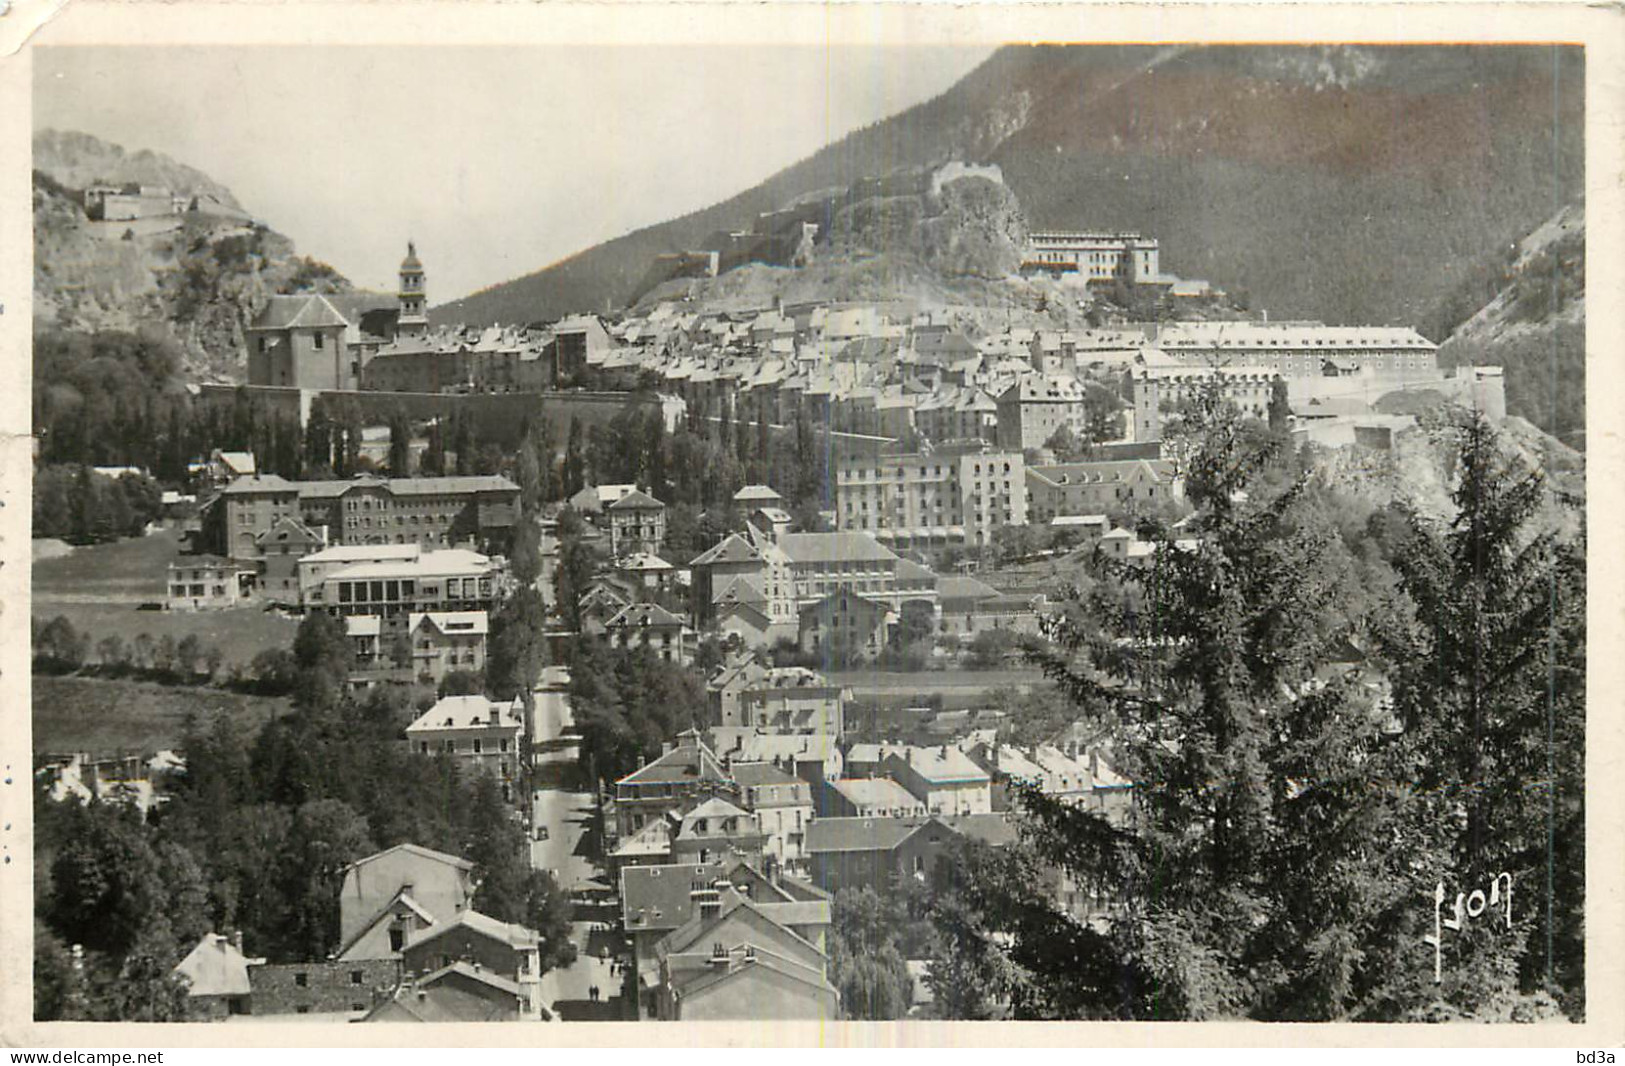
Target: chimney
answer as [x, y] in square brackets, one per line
[1094, 763]
[237, 940]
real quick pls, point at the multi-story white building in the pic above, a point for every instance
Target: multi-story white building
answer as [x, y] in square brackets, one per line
[1092, 488]
[445, 641]
[479, 733]
[207, 582]
[931, 500]
[1127, 257]
[1160, 391]
[394, 590]
[1301, 349]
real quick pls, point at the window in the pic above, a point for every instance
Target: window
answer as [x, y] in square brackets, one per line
[301, 979]
[355, 977]
[478, 746]
[319, 339]
[397, 938]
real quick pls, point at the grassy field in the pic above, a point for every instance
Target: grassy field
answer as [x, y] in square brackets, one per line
[106, 717]
[101, 588]
[239, 634]
[132, 571]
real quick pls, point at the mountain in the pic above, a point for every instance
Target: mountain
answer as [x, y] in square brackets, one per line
[79, 160]
[197, 275]
[1350, 184]
[1534, 325]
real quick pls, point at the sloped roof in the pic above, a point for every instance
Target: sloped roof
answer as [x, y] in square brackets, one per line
[287, 528]
[458, 623]
[943, 764]
[251, 483]
[216, 968]
[734, 548]
[757, 494]
[644, 614]
[834, 547]
[509, 933]
[880, 792]
[465, 712]
[964, 588]
[830, 835]
[644, 562]
[909, 570]
[740, 589]
[756, 774]
[687, 762]
[419, 851]
[717, 808]
[637, 500]
[303, 311]
[994, 829]
[659, 897]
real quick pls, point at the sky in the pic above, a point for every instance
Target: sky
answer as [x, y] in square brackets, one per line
[497, 161]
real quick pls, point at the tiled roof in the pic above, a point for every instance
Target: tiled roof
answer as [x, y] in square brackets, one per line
[644, 614]
[252, 483]
[216, 968]
[408, 486]
[467, 712]
[740, 589]
[881, 792]
[305, 311]
[732, 549]
[510, 933]
[420, 852]
[659, 897]
[460, 623]
[830, 835]
[756, 774]
[994, 829]
[688, 762]
[637, 500]
[964, 588]
[943, 764]
[834, 547]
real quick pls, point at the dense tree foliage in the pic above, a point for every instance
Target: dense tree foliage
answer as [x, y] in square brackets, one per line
[255, 837]
[1291, 826]
[627, 703]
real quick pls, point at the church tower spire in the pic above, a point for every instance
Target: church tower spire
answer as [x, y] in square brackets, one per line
[413, 317]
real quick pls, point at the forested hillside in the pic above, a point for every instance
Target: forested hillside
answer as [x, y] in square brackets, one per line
[1352, 184]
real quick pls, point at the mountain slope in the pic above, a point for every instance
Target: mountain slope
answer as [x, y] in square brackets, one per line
[1353, 184]
[1534, 327]
[197, 276]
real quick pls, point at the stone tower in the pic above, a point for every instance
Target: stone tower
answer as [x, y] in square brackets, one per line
[414, 317]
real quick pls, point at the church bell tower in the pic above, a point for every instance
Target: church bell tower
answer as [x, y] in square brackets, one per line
[413, 318]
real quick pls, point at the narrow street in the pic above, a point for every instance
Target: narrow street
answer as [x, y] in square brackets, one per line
[563, 842]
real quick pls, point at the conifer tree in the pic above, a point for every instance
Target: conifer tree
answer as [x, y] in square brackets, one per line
[1251, 869]
[1488, 672]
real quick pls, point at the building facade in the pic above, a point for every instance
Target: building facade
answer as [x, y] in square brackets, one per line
[1094, 488]
[480, 734]
[931, 500]
[1098, 256]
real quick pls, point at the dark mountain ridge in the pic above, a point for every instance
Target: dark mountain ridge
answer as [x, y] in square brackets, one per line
[1347, 183]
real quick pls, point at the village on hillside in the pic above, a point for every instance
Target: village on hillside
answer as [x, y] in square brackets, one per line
[724, 657]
